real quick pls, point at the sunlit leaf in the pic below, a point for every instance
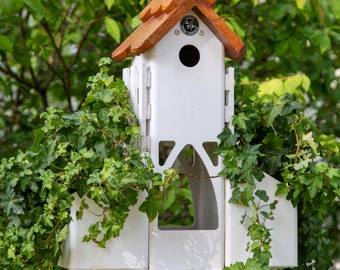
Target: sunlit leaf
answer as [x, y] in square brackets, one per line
[109, 3]
[301, 3]
[112, 28]
[310, 140]
[268, 88]
[291, 84]
[135, 22]
[305, 82]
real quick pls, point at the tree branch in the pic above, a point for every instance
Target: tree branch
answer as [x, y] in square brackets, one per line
[23, 44]
[56, 49]
[84, 38]
[16, 77]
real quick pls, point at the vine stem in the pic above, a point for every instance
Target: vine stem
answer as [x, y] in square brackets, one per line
[298, 145]
[198, 176]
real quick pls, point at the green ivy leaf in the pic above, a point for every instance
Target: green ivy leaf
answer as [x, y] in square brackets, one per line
[11, 202]
[152, 205]
[262, 194]
[63, 233]
[254, 264]
[334, 176]
[282, 189]
[39, 135]
[271, 113]
[291, 106]
[314, 185]
[169, 198]
[249, 156]
[240, 120]
[47, 154]
[273, 162]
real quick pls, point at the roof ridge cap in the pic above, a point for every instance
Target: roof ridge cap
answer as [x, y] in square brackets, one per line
[156, 8]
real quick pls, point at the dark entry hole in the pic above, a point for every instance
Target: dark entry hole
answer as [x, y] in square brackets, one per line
[189, 56]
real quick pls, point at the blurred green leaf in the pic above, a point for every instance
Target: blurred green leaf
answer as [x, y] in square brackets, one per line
[5, 44]
[112, 28]
[38, 9]
[109, 3]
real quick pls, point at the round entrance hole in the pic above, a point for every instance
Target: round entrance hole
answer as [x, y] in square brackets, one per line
[189, 56]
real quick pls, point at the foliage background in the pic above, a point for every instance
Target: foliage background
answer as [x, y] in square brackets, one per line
[49, 48]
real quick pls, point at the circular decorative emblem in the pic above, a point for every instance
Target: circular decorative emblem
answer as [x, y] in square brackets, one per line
[189, 25]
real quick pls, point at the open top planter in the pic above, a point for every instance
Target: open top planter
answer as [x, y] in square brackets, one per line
[183, 98]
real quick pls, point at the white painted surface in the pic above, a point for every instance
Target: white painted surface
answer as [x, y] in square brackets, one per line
[284, 233]
[128, 251]
[187, 107]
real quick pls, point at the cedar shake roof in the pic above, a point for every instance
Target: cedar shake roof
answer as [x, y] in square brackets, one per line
[160, 16]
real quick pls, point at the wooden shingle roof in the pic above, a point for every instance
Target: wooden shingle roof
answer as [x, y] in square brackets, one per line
[160, 16]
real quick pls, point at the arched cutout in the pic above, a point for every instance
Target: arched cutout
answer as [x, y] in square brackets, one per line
[164, 150]
[178, 205]
[210, 148]
[198, 213]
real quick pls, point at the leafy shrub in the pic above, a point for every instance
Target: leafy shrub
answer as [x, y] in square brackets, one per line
[93, 152]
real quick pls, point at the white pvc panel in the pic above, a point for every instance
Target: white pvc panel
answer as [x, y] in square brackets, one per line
[283, 233]
[187, 107]
[128, 251]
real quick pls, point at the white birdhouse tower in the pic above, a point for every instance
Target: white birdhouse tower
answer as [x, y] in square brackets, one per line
[183, 97]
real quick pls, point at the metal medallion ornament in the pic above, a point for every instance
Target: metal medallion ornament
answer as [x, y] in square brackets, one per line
[189, 25]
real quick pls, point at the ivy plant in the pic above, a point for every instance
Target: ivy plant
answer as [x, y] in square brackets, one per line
[94, 152]
[273, 134]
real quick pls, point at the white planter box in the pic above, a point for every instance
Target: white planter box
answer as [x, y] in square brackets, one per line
[284, 229]
[128, 251]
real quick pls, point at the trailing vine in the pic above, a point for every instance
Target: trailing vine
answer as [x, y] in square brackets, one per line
[272, 134]
[94, 153]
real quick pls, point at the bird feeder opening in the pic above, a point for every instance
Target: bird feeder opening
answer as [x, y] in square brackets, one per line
[189, 56]
[190, 202]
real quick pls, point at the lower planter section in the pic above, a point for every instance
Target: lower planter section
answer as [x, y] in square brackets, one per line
[144, 245]
[284, 229]
[128, 251]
